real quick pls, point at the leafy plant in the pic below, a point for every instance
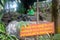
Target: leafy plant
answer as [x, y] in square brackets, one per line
[2, 27]
[4, 35]
[22, 24]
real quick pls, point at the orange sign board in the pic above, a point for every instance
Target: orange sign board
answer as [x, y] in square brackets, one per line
[37, 29]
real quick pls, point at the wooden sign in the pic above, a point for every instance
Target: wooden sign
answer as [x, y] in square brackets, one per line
[37, 29]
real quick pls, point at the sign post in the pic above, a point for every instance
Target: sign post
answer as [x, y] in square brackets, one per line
[37, 15]
[37, 12]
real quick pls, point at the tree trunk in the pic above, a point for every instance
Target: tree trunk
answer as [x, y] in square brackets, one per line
[55, 13]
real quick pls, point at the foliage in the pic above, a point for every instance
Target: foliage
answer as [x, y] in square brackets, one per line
[56, 36]
[22, 24]
[1, 14]
[2, 27]
[20, 8]
[3, 35]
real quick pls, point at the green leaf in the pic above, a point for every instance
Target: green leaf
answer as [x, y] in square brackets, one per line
[2, 27]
